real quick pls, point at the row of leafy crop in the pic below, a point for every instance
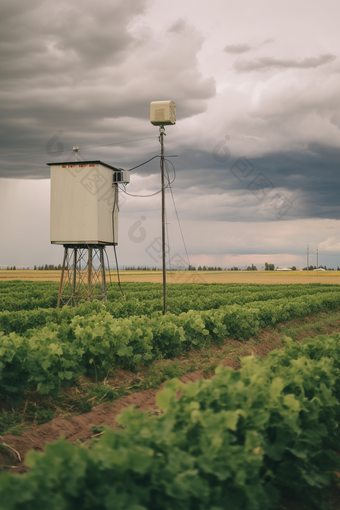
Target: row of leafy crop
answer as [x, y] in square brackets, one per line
[18, 295]
[154, 290]
[21, 321]
[15, 296]
[244, 440]
[53, 356]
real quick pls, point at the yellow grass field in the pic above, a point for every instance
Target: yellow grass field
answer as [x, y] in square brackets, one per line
[267, 277]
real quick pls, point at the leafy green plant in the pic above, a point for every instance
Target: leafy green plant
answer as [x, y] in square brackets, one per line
[43, 416]
[89, 340]
[8, 420]
[103, 393]
[240, 440]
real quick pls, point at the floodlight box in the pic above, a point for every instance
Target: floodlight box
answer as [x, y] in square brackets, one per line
[163, 113]
[122, 176]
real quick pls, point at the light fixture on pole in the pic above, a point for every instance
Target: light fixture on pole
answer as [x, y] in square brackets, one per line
[163, 113]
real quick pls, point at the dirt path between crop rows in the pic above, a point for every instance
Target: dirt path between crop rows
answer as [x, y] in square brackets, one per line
[78, 428]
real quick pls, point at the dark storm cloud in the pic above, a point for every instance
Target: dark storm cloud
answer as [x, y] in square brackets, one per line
[309, 178]
[265, 63]
[235, 49]
[45, 41]
[78, 67]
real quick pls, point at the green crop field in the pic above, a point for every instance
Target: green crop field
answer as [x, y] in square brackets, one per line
[255, 438]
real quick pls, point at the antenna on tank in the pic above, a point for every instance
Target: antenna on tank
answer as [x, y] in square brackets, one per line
[75, 150]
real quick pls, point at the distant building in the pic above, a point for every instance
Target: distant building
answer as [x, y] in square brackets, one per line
[285, 268]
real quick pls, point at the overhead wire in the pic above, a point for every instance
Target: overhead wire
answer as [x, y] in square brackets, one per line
[108, 264]
[80, 148]
[325, 254]
[145, 162]
[169, 183]
[119, 284]
[140, 196]
[168, 243]
[113, 237]
[166, 160]
[166, 220]
[173, 200]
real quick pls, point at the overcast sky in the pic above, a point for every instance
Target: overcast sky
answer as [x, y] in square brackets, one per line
[256, 86]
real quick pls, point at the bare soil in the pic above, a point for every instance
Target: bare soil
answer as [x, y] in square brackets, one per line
[78, 428]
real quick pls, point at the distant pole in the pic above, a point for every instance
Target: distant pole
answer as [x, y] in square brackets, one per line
[317, 261]
[161, 139]
[307, 259]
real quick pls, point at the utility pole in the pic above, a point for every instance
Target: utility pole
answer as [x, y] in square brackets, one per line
[307, 259]
[161, 139]
[163, 113]
[317, 261]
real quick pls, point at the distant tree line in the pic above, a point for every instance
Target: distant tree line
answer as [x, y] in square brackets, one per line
[311, 268]
[139, 268]
[48, 267]
[205, 268]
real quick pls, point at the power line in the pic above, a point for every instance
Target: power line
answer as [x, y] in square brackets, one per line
[80, 148]
[140, 196]
[160, 190]
[173, 200]
[108, 264]
[145, 162]
[167, 170]
[114, 249]
[326, 254]
[166, 161]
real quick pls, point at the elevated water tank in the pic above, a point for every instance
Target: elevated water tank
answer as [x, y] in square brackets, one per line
[84, 203]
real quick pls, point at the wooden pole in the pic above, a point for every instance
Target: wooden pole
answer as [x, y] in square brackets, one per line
[161, 139]
[307, 259]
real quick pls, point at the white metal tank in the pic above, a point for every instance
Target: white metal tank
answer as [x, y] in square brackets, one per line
[84, 203]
